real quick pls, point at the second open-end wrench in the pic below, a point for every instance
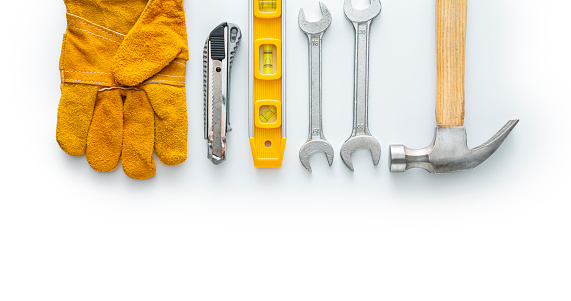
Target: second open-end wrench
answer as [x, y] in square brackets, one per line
[316, 142]
[361, 137]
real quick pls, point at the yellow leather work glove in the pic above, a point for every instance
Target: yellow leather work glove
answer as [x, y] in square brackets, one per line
[123, 67]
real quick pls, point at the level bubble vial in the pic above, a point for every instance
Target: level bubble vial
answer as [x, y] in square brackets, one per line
[268, 114]
[267, 6]
[268, 57]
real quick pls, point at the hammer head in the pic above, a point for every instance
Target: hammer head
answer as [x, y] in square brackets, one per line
[449, 152]
[358, 16]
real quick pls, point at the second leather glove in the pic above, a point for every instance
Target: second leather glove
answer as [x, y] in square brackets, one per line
[123, 67]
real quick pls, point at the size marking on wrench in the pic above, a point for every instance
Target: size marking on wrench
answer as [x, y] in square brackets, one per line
[316, 142]
[361, 137]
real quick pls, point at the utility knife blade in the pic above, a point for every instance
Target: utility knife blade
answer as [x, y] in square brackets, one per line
[219, 52]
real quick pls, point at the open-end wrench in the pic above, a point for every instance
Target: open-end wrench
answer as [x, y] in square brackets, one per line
[361, 137]
[316, 142]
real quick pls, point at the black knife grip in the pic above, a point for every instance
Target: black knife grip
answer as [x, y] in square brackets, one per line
[218, 43]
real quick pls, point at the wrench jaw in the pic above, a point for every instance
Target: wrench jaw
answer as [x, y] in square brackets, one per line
[316, 146]
[359, 16]
[319, 27]
[360, 142]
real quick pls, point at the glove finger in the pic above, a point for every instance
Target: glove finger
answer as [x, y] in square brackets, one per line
[74, 117]
[105, 137]
[138, 162]
[171, 122]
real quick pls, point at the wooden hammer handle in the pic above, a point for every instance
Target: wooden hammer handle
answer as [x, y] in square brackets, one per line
[451, 16]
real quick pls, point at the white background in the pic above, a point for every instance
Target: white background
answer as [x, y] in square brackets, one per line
[201, 232]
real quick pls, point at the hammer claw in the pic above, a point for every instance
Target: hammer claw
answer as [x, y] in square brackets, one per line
[496, 141]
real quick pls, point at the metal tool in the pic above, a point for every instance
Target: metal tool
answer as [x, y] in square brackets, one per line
[449, 152]
[316, 142]
[361, 137]
[219, 53]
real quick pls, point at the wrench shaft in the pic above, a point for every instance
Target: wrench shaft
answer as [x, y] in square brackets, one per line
[315, 105]
[361, 97]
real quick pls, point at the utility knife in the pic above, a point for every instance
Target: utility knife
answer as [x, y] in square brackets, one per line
[219, 52]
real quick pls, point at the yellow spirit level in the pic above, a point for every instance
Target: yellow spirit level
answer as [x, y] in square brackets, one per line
[267, 91]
